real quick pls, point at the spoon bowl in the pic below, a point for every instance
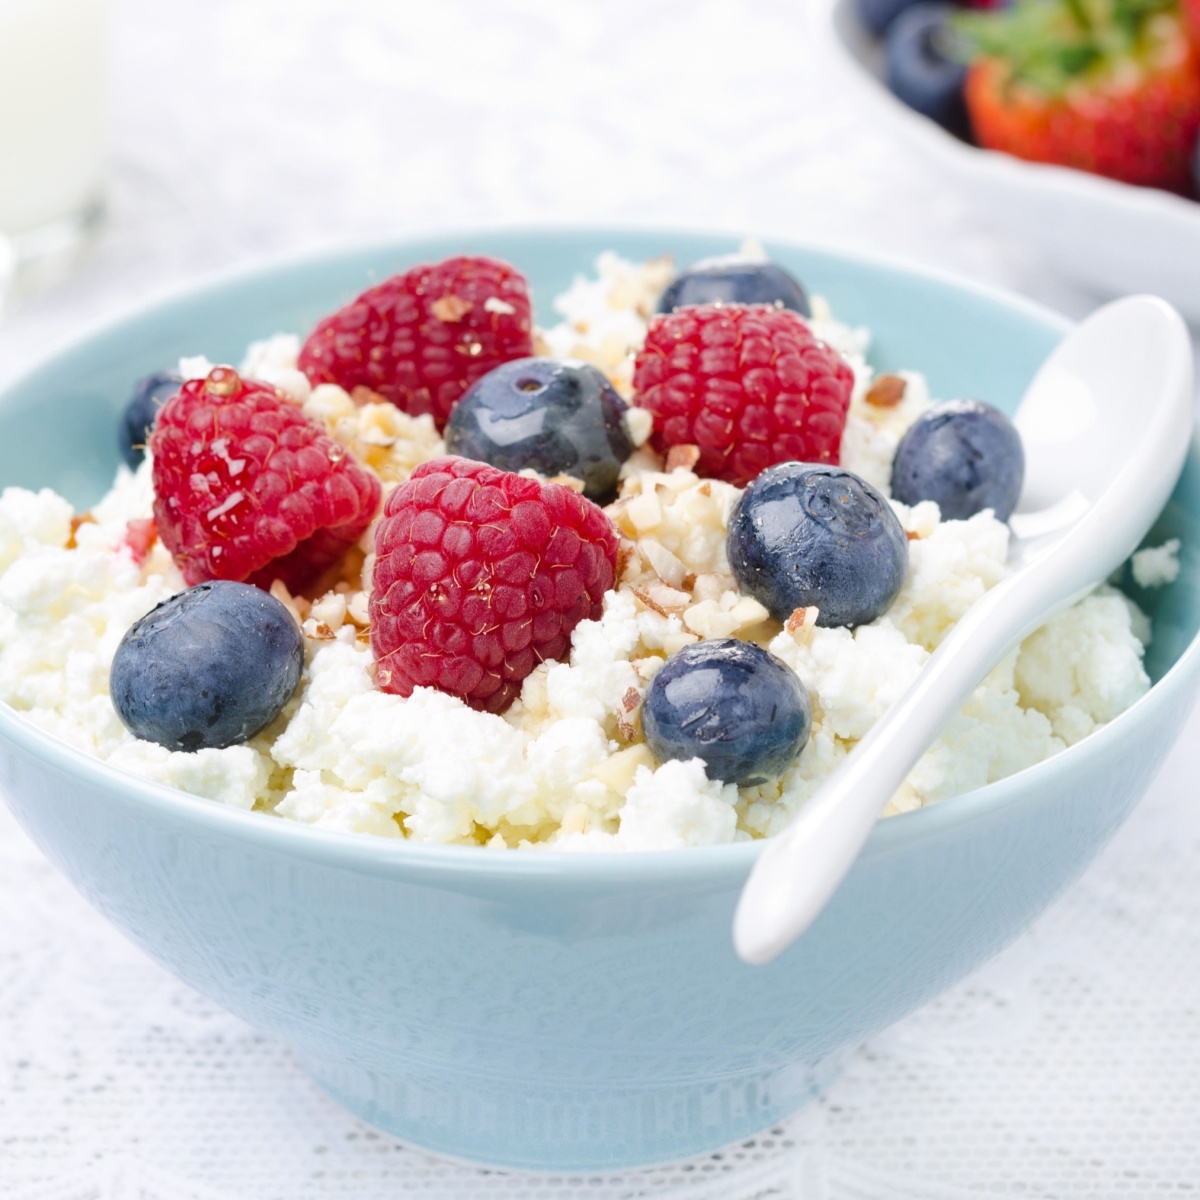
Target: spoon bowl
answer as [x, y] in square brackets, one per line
[1105, 426]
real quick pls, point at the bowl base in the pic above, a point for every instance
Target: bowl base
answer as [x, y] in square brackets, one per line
[484, 1122]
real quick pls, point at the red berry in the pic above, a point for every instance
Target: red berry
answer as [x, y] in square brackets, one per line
[420, 339]
[750, 386]
[479, 576]
[247, 488]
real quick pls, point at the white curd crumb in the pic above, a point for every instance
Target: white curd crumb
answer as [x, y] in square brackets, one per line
[1156, 566]
[195, 367]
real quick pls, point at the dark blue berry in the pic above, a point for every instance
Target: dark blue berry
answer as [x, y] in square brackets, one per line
[803, 535]
[560, 418]
[208, 667]
[965, 455]
[923, 69]
[877, 15]
[734, 281]
[731, 704]
[141, 412]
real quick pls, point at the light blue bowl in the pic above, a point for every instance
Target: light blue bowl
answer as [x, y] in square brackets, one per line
[567, 1012]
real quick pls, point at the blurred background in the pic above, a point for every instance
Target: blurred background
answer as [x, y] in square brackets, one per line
[239, 131]
[219, 133]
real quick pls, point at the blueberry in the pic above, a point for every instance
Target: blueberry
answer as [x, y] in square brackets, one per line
[731, 704]
[556, 417]
[734, 281]
[141, 412]
[877, 15]
[965, 455]
[922, 67]
[803, 535]
[208, 667]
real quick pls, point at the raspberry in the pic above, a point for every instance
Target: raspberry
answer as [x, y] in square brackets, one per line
[247, 488]
[750, 386]
[480, 575]
[420, 339]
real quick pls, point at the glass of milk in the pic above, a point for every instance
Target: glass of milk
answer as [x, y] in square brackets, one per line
[53, 123]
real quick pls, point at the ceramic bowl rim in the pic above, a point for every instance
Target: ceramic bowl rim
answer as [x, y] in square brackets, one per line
[362, 851]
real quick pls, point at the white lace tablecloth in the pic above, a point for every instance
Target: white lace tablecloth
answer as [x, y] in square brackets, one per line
[1068, 1067]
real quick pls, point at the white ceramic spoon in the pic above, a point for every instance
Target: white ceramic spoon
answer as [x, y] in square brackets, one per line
[1106, 425]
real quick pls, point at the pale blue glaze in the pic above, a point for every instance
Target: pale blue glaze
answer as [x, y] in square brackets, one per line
[546, 1011]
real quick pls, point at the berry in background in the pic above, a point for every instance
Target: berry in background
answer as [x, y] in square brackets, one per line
[804, 536]
[208, 668]
[141, 412]
[735, 280]
[558, 418]
[923, 68]
[1106, 86]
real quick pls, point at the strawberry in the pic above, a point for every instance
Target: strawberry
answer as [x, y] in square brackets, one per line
[1106, 86]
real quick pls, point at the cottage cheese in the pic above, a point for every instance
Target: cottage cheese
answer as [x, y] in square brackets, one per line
[565, 767]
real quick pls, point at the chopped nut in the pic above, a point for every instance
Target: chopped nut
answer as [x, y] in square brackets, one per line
[493, 304]
[293, 605]
[450, 308]
[684, 455]
[647, 668]
[668, 599]
[905, 799]
[628, 560]
[639, 425]
[317, 631]
[576, 485]
[629, 714]
[707, 620]
[748, 612]
[644, 599]
[912, 535]
[617, 771]
[330, 610]
[363, 395]
[886, 392]
[675, 642]
[76, 521]
[575, 819]
[666, 566]
[357, 609]
[645, 511]
[710, 586]
[801, 623]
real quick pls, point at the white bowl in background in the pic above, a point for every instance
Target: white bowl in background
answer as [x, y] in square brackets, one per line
[1112, 237]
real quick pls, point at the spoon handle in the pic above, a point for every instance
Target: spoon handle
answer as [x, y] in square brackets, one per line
[1135, 348]
[801, 868]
